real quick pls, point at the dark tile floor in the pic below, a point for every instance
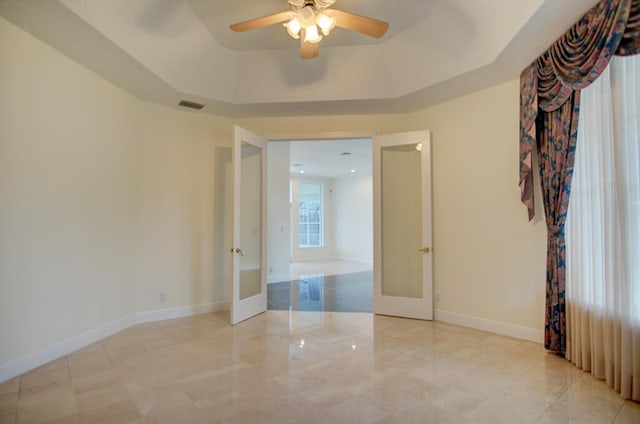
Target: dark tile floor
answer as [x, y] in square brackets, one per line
[351, 292]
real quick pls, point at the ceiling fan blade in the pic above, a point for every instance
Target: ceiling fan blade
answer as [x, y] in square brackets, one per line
[367, 26]
[307, 50]
[276, 18]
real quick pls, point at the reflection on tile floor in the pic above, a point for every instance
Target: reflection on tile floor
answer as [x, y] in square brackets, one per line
[310, 367]
[335, 267]
[351, 292]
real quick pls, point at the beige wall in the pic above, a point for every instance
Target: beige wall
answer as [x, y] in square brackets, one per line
[278, 212]
[489, 261]
[353, 218]
[107, 201]
[309, 127]
[68, 167]
[175, 204]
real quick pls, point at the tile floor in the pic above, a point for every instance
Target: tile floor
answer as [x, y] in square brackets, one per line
[352, 292]
[298, 270]
[310, 367]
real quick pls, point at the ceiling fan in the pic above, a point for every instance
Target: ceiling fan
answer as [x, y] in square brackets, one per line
[309, 20]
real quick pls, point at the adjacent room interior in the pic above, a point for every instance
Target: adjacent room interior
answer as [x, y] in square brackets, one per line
[320, 235]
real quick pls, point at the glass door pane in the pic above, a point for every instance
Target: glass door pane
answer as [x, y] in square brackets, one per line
[401, 221]
[251, 221]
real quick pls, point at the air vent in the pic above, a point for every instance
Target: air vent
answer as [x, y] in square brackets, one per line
[190, 105]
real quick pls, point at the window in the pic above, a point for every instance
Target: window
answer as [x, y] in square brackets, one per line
[603, 231]
[603, 225]
[310, 215]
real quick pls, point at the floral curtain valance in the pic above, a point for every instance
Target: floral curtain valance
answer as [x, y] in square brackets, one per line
[572, 63]
[549, 112]
[630, 43]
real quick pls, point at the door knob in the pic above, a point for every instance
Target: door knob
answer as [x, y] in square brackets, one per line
[424, 250]
[237, 250]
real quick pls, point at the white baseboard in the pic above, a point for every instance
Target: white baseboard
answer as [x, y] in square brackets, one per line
[497, 327]
[36, 359]
[179, 312]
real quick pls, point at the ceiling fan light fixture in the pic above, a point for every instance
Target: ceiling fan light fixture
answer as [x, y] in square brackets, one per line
[326, 23]
[311, 35]
[311, 20]
[293, 28]
[306, 16]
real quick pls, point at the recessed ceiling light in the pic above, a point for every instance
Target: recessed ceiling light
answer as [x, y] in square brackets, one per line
[353, 170]
[302, 171]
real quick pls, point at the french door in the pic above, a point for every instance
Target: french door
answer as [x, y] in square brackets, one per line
[403, 260]
[248, 291]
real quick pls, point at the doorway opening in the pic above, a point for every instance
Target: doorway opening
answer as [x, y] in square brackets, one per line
[320, 225]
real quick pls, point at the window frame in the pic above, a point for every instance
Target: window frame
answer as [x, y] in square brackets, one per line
[319, 222]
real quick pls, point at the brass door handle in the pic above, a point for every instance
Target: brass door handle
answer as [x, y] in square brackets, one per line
[237, 250]
[424, 250]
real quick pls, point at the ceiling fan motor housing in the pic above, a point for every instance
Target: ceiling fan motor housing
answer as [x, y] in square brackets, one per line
[316, 4]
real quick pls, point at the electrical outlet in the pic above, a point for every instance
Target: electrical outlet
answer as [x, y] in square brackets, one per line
[163, 297]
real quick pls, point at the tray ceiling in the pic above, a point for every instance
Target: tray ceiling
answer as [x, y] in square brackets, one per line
[169, 50]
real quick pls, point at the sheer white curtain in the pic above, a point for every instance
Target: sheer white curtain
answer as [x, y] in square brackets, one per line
[603, 231]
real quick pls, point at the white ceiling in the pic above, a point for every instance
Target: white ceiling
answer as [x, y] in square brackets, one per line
[168, 50]
[332, 159]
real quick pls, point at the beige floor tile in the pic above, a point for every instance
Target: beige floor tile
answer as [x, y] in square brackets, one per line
[426, 413]
[102, 396]
[459, 399]
[398, 401]
[10, 386]
[585, 402]
[47, 404]
[360, 409]
[69, 419]
[501, 413]
[532, 394]
[629, 413]
[124, 411]
[50, 375]
[8, 419]
[9, 399]
[8, 403]
[311, 367]
[184, 414]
